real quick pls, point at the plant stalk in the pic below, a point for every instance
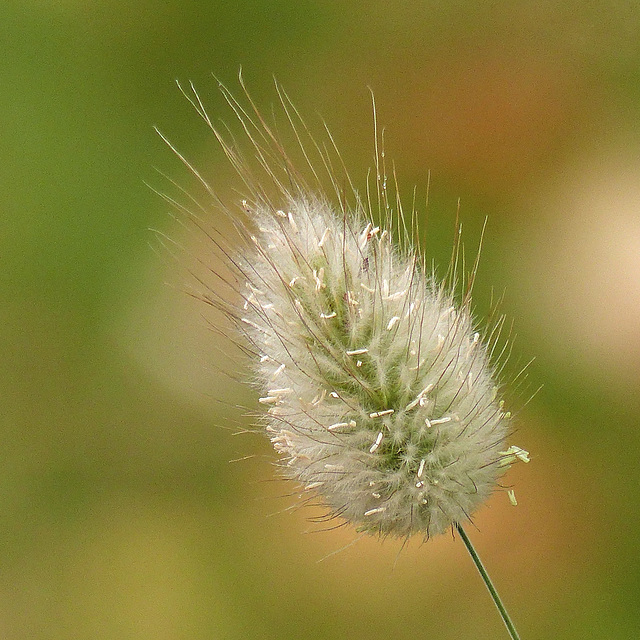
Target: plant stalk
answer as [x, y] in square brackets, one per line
[487, 580]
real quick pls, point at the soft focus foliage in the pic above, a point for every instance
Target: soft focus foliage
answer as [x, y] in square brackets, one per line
[122, 517]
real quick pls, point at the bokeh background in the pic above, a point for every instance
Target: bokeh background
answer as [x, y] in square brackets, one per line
[120, 513]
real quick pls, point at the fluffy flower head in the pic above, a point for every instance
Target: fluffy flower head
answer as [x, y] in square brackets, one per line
[377, 390]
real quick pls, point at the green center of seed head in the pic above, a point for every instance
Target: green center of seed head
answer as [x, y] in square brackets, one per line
[359, 375]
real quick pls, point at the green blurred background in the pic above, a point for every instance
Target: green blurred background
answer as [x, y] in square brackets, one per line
[120, 513]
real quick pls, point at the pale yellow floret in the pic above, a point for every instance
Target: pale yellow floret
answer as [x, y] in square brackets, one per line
[513, 454]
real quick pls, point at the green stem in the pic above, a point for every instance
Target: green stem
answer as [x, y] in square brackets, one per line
[487, 580]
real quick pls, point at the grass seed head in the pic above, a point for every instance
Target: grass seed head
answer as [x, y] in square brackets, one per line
[378, 392]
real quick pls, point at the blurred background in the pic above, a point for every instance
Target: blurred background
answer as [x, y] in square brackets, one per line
[121, 515]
